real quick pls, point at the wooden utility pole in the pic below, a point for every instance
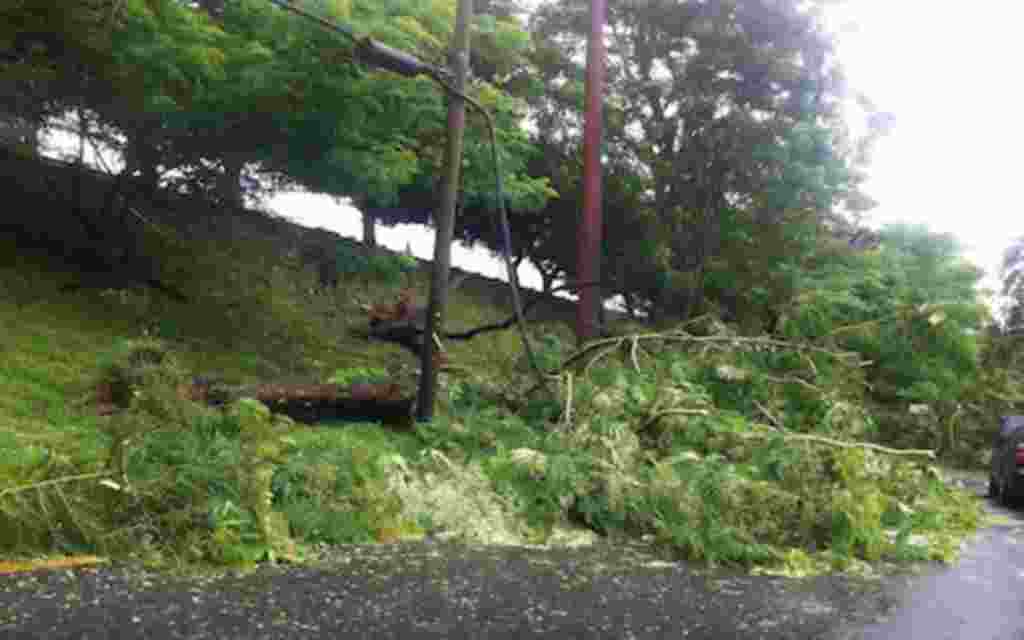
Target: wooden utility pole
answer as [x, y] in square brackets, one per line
[589, 238]
[459, 63]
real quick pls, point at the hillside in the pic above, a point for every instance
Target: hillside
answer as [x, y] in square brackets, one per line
[178, 289]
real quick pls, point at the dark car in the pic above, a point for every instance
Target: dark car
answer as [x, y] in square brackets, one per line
[1006, 481]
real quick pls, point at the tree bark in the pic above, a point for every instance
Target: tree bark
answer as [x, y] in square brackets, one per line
[230, 181]
[369, 230]
[547, 281]
[630, 307]
[369, 223]
[141, 157]
[459, 63]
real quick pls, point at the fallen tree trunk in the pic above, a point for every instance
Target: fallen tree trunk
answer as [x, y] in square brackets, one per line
[307, 403]
[310, 403]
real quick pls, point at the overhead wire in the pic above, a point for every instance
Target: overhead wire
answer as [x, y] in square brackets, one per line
[405, 64]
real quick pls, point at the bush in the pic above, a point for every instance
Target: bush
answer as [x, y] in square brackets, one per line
[359, 375]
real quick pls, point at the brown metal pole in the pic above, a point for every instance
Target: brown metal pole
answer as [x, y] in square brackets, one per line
[589, 239]
[459, 61]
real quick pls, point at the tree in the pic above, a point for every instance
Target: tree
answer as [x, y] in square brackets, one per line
[201, 93]
[910, 308]
[1012, 275]
[726, 108]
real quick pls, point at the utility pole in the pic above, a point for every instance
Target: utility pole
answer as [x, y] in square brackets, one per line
[589, 238]
[459, 63]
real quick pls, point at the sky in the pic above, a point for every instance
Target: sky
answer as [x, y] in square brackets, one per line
[947, 71]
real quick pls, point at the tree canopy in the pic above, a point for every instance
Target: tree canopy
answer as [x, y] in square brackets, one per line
[206, 90]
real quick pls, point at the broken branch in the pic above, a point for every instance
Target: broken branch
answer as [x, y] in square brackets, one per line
[806, 437]
[54, 482]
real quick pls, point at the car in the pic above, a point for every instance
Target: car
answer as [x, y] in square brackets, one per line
[1006, 479]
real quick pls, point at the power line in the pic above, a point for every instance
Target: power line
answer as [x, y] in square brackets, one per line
[368, 50]
[376, 54]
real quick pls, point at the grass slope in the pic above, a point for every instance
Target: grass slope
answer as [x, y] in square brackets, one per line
[662, 444]
[254, 314]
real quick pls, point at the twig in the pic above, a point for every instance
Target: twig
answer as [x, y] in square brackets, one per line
[53, 482]
[632, 354]
[795, 379]
[646, 352]
[708, 340]
[591, 346]
[672, 412]
[567, 415]
[928, 453]
[99, 156]
[810, 361]
[693, 320]
[838, 355]
[858, 325]
[768, 414]
[601, 355]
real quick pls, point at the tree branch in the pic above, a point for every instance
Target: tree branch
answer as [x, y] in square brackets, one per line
[54, 482]
[928, 453]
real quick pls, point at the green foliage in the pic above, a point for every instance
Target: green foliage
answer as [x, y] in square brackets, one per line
[541, 496]
[355, 375]
[181, 471]
[693, 522]
[164, 82]
[550, 352]
[337, 498]
[669, 450]
[727, 224]
[912, 310]
[132, 365]
[334, 489]
[389, 269]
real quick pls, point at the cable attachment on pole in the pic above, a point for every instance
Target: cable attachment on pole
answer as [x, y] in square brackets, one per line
[368, 50]
[375, 54]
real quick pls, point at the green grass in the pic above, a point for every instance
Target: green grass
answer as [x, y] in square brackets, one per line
[251, 317]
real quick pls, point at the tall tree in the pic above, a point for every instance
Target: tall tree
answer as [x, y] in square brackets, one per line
[706, 98]
[214, 89]
[1012, 274]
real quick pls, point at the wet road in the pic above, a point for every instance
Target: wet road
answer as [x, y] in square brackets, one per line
[981, 598]
[429, 591]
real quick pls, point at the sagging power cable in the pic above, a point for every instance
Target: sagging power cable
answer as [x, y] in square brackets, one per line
[379, 55]
[368, 50]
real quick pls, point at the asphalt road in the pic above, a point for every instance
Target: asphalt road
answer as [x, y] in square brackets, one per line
[981, 598]
[436, 590]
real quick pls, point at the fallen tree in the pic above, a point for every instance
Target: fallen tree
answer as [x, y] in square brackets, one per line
[302, 402]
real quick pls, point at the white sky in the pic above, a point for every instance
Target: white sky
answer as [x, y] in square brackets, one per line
[949, 72]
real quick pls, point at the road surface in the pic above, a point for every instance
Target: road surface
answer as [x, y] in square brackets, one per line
[981, 598]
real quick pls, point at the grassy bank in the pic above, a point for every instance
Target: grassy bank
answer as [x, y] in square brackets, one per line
[716, 447]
